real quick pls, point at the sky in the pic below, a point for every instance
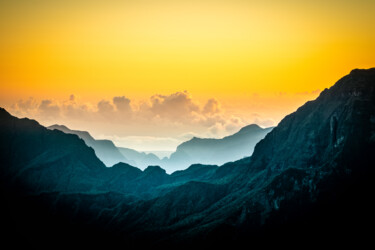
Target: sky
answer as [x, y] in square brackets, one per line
[149, 74]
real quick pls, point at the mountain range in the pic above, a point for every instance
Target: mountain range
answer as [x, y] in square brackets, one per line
[217, 151]
[308, 182]
[195, 151]
[105, 150]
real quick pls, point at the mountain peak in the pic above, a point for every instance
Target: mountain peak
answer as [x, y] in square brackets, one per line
[106, 150]
[3, 110]
[332, 117]
[58, 127]
[195, 138]
[4, 113]
[362, 71]
[124, 168]
[359, 83]
[250, 128]
[155, 170]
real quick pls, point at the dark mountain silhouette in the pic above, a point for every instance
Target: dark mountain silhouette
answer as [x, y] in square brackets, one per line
[104, 149]
[309, 181]
[216, 151]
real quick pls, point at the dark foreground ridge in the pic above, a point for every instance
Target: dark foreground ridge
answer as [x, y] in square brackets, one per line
[308, 181]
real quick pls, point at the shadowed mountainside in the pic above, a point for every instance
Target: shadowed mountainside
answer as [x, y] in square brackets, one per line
[309, 180]
[104, 149]
[109, 153]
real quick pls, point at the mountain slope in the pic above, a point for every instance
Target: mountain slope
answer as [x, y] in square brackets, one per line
[139, 159]
[308, 181]
[54, 180]
[195, 151]
[216, 151]
[309, 177]
[104, 149]
[312, 172]
[45, 159]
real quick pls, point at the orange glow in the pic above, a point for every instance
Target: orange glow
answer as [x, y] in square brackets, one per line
[229, 50]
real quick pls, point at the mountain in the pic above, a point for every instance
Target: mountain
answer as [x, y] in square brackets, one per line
[139, 159]
[308, 182]
[160, 153]
[53, 188]
[104, 149]
[56, 160]
[310, 179]
[216, 151]
[109, 153]
[195, 151]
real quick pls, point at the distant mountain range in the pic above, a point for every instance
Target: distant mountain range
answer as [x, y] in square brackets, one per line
[308, 182]
[217, 151]
[104, 149]
[194, 151]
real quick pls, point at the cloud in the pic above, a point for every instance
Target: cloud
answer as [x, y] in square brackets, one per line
[174, 106]
[227, 126]
[122, 104]
[105, 108]
[161, 122]
[22, 107]
[217, 129]
[212, 106]
[48, 109]
[78, 112]
[161, 115]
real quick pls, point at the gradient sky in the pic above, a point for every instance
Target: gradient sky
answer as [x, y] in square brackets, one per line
[149, 74]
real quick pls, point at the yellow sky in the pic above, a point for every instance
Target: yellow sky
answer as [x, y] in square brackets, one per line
[228, 50]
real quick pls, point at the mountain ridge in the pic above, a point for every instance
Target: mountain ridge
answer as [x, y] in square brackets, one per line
[209, 151]
[104, 149]
[212, 151]
[310, 178]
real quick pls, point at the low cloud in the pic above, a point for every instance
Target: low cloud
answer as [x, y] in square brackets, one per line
[24, 107]
[179, 105]
[224, 127]
[212, 106]
[105, 108]
[48, 109]
[122, 104]
[161, 115]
